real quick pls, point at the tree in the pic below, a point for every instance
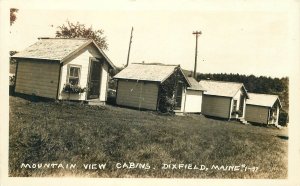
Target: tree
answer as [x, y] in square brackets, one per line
[13, 15]
[71, 30]
[11, 53]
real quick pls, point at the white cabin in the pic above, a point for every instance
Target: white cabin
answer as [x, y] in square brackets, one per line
[63, 69]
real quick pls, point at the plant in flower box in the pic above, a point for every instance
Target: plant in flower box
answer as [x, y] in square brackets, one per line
[74, 89]
[239, 112]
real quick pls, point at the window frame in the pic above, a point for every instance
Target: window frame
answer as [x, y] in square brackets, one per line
[68, 73]
[234, 105]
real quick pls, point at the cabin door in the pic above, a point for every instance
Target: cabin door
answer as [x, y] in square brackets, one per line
[241, 108]
[94, 80]
[178, 96]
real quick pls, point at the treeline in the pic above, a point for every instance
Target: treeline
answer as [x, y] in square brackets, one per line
[261, 84]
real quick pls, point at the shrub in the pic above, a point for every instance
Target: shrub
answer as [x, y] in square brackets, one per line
[166, 104]
[283, 118]
[12, 84]
[239, 112]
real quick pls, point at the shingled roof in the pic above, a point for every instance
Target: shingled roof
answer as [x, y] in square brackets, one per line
[265, 100]
[57, 49]
[194, 84]
[148, 72]
[222, 88]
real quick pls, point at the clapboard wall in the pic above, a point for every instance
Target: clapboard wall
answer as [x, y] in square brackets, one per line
[37, 77]
[216, 106]
[257, 114]
[137, 94]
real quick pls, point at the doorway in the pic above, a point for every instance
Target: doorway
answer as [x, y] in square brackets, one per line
[178, 97]
[94, 80]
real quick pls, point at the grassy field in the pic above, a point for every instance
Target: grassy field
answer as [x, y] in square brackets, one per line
[49, 132]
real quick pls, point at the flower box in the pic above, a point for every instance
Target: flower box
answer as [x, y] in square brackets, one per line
[73, 89]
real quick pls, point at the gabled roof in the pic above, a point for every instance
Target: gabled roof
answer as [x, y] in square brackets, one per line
[265, 100]
[194, 84]
[222, 88]
[57, 49]
[148, 72]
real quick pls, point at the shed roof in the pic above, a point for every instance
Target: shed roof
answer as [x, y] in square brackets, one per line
[222, 88]
[194, 84]
[57, 49]
[265, 100]
[148, 72]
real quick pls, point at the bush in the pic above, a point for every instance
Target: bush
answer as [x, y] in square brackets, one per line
[283, 118]
[239, 112]
[111, 96]
[166, 104]
[12, 84]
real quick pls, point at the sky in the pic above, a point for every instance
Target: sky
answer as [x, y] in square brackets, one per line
[237, 37]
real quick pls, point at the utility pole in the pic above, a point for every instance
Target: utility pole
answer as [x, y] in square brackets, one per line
[130, 41]
[197, 33]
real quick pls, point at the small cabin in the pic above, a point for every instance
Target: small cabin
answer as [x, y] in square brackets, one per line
[151, 86]
[63, 69]
[263, 108]
[192, 98]
[225, 100]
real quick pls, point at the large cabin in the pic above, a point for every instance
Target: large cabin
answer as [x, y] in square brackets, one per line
[63, 69]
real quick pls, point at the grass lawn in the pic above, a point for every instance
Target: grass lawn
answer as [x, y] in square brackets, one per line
[49, 132]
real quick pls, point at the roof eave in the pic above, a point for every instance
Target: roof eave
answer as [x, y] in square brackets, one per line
[189, 88]
[279, 102]
[76, 51]
[258, 105]
[247, 95]
[189, 83]
[105, 56]
[83, 46]
[186, 79]
[135, 79]
[245, 90]
[218, 95]
[169, 75]
[19, 57]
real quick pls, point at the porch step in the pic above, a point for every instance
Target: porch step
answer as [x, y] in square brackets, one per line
[278, 126]
[95, 102]
[243, 121]
[178, 113]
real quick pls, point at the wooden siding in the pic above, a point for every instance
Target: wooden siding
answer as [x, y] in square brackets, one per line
[104, 82]
[216, 106]
[137, 94]
[38, 78]
[193, 101]
[83, 60]
[257, 114]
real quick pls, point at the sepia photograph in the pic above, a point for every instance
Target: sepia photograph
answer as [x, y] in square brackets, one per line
[133, 89]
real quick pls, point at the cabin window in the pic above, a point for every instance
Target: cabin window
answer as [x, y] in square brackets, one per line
[234, 105]
[73, 75]
[178, 95]
[273, 112]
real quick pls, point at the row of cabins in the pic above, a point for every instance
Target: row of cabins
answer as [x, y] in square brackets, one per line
[139, 86]
[77, 69]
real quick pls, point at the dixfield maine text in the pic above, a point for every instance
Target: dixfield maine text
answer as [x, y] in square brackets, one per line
[142, 166]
